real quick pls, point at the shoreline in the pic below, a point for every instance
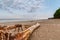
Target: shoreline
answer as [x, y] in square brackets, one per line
[21, 22]
[31, 22]
[18, 22]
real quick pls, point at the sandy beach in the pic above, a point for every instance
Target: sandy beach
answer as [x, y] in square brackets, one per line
[48, 30]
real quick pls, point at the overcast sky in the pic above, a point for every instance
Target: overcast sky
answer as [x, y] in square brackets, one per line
[28, 9]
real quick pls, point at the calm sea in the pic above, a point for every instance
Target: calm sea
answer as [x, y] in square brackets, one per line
[13, 20]
[16, 20]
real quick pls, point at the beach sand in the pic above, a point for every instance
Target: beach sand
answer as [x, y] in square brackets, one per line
[48, 30]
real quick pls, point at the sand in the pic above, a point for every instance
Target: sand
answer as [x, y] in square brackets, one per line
[48, 30]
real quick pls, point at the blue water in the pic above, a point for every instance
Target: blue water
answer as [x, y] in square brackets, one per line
[13, 20]
[9, 20]
[16, 20]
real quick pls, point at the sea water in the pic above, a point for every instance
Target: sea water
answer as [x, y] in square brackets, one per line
[13, 20]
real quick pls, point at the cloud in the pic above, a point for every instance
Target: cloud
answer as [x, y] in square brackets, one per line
[24, 5]
[19, 7]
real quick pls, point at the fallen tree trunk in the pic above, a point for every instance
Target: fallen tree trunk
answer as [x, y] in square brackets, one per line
[24, 35]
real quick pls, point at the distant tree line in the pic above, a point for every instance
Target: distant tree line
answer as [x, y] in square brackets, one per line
[56, 14]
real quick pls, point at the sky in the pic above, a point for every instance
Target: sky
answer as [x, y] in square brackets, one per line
[28, 9]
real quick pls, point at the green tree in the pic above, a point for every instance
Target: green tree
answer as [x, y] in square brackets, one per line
[57, 14]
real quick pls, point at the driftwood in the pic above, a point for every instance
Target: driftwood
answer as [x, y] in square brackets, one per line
[25, 34]
[5, 34]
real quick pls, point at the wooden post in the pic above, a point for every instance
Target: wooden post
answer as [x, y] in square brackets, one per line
[19, 26]
[2, 35]
[8, 37]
